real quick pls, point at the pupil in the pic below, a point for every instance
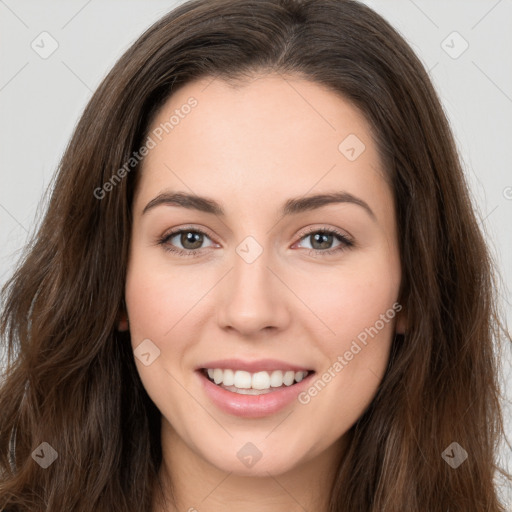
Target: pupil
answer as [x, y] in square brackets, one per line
[327, 240]
[191, 237]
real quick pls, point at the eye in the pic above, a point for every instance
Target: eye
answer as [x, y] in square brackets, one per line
[321, 241]
[190, 239]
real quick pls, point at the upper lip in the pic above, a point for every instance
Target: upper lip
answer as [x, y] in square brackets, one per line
[259, 365]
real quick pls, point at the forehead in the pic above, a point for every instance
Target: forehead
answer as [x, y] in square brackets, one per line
[270, 136]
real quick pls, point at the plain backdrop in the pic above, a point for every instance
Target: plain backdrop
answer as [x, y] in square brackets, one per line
[464, 44]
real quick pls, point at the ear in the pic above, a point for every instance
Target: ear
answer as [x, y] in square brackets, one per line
[122, 321]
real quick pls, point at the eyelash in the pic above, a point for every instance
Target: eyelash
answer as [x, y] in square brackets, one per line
[345, 242]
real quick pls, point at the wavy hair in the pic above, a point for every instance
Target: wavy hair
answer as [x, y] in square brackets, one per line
[71, 380]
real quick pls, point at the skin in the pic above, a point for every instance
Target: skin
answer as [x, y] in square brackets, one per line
[251, 148]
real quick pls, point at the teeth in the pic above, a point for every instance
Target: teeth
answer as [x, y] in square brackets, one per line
[288, 378]
[242, 380]
[217, 376]
[276, 379]
[256, 381]
[261, 380]
[228, 379]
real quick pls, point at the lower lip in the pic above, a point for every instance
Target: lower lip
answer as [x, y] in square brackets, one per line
[252, 406]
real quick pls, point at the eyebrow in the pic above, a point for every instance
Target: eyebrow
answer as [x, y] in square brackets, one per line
[292, 206]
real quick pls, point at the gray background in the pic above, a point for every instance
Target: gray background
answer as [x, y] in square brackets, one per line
[42, 99]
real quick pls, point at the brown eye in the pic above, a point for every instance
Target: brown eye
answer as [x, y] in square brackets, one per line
[321, 241]
[184, 241]
[191, 239]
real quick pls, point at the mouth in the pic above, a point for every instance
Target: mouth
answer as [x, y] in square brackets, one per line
[253, 390]
[258, 383]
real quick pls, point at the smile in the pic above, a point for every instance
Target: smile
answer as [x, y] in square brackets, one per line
[253, 389]
[246, 383]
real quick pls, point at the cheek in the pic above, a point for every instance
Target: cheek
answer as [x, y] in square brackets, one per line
[157, 305]
[157, 301]
[351, 298]
[357, 306]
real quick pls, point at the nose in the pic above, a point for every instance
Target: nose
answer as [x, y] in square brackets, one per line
[253, 299]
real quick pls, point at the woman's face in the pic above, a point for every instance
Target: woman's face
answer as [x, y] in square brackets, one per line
[279, 283]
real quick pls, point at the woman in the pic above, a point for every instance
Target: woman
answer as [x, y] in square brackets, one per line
[248, 370]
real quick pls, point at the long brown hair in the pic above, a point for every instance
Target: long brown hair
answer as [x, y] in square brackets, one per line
[71, 380]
